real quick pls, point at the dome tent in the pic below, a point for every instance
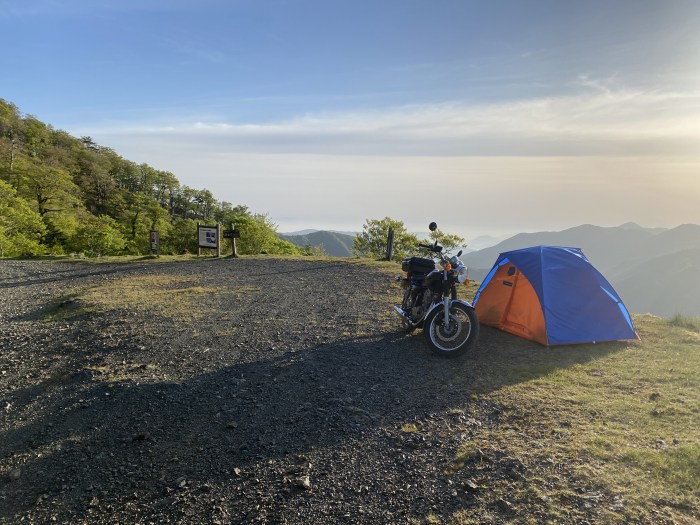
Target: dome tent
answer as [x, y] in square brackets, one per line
[552, 295]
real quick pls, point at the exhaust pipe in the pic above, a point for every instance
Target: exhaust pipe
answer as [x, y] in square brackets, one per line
[403, 316]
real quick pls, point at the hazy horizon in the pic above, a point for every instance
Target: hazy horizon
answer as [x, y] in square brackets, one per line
[488, 118]
[496, 235]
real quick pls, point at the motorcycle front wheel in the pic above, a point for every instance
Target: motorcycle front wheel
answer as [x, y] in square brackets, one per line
[455, 338]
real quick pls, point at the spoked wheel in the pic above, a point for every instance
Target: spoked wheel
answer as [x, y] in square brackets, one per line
[456, 337]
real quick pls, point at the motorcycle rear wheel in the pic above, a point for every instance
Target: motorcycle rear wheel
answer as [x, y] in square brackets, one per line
[458, 337]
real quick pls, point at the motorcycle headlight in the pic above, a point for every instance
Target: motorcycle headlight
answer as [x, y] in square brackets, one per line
[462, 273]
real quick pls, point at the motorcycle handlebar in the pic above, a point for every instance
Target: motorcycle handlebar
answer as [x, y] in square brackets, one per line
[431, 247]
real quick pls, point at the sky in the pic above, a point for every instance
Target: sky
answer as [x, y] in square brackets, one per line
[489, 118]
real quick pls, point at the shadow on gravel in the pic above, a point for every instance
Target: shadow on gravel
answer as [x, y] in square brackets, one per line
[245, 427]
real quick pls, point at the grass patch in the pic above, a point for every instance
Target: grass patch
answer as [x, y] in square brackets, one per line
[166, 295]
[621, 422]
[63, 308]
[684, 321]
[677, 466]
[409, 428]
[115, 373]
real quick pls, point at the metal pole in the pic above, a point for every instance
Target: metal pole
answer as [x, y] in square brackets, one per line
[218, 240]
[390, 245]
[199, 248]
[233, 243]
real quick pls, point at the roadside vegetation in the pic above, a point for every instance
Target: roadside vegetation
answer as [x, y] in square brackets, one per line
[372, 241]
[60, 195]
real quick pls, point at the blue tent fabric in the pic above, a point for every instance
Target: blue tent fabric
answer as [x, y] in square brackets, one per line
[578, 303]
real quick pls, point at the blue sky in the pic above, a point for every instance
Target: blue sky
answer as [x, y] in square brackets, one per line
[537, 115]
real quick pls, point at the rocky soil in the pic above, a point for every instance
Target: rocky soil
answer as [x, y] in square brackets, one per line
[237, 391]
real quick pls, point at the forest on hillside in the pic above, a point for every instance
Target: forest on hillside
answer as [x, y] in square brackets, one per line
[65, 195]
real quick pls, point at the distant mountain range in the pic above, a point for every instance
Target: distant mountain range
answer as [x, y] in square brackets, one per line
[339, 243]
[308, 231]
[653, 269]
[332, 243]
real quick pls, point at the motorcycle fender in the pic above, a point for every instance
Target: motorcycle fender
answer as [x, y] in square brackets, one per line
[441, 303]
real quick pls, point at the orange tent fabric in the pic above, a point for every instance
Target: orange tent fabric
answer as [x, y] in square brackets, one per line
[511, 304]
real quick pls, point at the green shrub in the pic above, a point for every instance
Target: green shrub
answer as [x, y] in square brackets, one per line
[685, 321]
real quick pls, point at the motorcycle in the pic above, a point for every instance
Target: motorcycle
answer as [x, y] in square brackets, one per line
[450, 325]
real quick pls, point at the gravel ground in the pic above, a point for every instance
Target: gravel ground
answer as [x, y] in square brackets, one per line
[265, 391]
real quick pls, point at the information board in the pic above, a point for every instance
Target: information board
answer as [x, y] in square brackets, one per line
[208, 236]
[154, 238]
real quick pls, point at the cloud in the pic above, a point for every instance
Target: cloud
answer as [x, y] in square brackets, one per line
[604, 157]
[601, 122]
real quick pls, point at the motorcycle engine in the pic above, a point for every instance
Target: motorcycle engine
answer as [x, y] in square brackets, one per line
[416, 302]
[419, 309]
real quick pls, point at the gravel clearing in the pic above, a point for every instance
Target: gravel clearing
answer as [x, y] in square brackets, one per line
[230, 391]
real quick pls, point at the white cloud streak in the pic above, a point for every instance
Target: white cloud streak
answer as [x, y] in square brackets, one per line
[623, 122]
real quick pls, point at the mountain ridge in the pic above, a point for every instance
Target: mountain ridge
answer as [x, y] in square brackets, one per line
[332, 243]
[650, 268]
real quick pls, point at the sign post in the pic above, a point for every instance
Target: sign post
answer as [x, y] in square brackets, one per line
[232, 234]
[390, 244]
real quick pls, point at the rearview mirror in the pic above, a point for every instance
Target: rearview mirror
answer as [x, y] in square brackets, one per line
[432, 227]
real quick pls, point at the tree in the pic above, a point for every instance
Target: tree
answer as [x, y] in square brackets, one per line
[226, 213]
[372, 242]
[204, 204]
[125, 173]
[282, 247]
[95, 180]
[448, 241]
[52, 193]
[21, 228]
[10, 119]
[181, 238]
[10, 132]
[140, 213]
[259, 235]
[313, 251]
[98, 236]
[183, 202]
[164, 186]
